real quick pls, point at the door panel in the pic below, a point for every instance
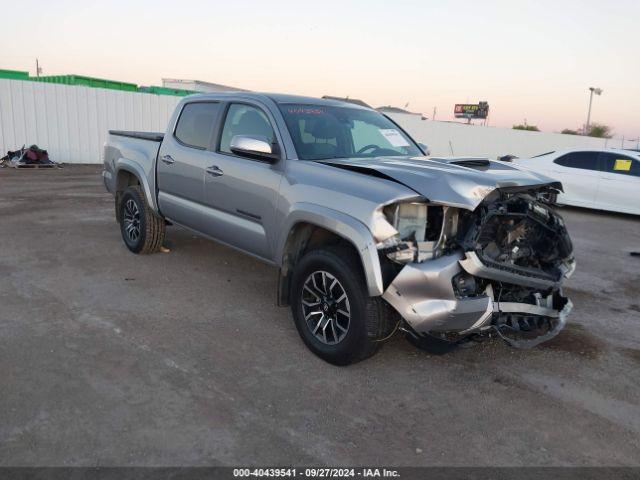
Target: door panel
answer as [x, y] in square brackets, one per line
[241, 203]
[240, 194]
[620, 183]
[182, 160]
[181, 182]
[579, 173]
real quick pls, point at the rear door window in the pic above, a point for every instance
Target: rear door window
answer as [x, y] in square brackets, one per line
[579, 160]
[196, 124]
[620, 164]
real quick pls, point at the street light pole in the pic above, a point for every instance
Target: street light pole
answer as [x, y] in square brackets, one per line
[597, 91]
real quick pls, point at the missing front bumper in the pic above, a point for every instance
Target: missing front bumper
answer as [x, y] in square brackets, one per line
[423, 294]
[556, 321]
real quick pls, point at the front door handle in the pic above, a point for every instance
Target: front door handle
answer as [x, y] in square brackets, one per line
[168, 159]
[214, 171]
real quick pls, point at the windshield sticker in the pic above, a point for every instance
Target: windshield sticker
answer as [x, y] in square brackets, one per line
[306, 110]
[622, 165]
[394, 137]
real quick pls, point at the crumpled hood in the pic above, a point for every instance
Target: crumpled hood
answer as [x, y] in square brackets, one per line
[446, 183]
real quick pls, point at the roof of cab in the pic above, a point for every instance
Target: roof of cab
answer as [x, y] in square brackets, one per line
[278, 98]
[283, 98]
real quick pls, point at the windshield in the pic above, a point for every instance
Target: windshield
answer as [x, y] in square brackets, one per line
[322, 132]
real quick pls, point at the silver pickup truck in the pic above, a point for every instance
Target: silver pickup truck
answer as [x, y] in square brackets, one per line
[370, 236]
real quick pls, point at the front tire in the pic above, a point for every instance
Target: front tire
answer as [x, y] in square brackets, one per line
[141, 228]
[332, 310]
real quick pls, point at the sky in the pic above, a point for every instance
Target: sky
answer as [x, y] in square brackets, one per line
[531, 60]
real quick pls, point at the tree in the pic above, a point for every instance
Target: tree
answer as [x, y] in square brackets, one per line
[599, 130]
[529, 128]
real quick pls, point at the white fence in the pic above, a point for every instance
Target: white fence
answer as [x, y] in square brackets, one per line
[71, 122]
[447, 138]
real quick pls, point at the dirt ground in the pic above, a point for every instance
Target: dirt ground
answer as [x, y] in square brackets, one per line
[108, 358]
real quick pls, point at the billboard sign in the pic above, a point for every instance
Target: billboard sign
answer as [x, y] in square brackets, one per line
[471, 110]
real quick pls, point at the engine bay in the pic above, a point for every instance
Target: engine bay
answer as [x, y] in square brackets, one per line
[513, 249]
[518, 232]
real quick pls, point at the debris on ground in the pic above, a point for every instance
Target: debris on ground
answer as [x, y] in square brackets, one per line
[32, 157]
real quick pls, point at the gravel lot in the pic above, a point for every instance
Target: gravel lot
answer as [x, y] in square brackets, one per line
[107, 358]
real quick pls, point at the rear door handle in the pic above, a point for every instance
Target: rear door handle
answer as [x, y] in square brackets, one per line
[214, 171]
[168, 159]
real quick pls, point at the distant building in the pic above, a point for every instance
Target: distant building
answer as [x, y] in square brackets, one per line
[398, 110]
[198, 85]
[355, 101]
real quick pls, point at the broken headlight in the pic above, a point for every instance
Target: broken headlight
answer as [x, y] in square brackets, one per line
[416, 228]
[397, 250]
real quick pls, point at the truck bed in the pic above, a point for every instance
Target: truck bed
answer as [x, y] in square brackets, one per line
[152, 136]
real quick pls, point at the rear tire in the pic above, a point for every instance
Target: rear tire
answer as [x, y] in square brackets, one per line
[339, 338]
[141, 228]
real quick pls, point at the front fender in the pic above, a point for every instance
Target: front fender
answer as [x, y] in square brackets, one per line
[349, 228]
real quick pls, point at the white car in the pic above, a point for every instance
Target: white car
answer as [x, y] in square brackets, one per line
[604, 179]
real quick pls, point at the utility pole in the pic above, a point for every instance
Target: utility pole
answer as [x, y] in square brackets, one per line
[597, 91]
[38, 69]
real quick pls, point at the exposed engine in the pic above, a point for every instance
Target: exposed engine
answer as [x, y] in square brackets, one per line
[516, 252]
[525, 247]
[518, 232]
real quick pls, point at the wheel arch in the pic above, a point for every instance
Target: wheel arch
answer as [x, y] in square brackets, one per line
[310, 226]
[130, 173]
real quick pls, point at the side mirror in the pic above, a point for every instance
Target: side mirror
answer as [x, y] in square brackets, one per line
[253, 147]
[425, 148]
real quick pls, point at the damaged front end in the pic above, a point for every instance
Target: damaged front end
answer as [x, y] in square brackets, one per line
[453, 273]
